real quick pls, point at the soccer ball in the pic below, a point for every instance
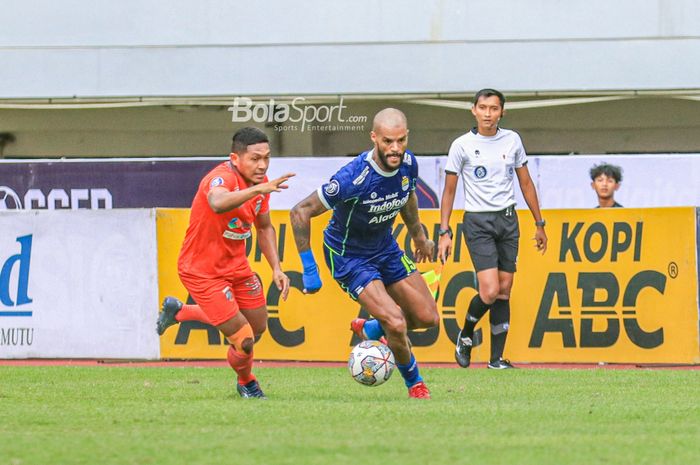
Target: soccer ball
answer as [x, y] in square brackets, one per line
[371, 363]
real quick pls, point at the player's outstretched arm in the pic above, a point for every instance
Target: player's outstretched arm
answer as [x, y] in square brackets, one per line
[267, 240]
[409, 214]
[222, 200]
[527, 187]
[300, 217]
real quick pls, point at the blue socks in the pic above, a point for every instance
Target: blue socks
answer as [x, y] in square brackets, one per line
[373, 330]
[410, 372]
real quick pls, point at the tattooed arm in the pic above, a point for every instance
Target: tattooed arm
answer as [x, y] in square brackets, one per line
[300, 217]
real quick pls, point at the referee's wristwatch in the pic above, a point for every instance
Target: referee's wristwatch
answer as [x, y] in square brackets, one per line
[540, 223]
[448, 232]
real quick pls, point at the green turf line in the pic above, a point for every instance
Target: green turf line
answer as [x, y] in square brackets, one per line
[117, 415]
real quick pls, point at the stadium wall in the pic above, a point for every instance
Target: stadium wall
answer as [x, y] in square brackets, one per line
[78, 284]
[605, 291]
[616, 285]
[128, 78]
[183, 48]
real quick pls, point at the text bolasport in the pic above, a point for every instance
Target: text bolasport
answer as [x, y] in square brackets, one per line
[307, 116]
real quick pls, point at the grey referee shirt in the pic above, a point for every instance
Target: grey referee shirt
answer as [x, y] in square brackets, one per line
[487, 167]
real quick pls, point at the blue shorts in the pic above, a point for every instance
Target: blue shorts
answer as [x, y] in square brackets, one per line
[354, 273]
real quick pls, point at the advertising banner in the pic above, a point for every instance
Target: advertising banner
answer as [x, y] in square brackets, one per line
[100, 184]
[561, 181]
[78, 284]
[148, 183]
[615, 285]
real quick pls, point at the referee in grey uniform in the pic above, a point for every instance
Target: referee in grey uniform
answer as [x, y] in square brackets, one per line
[487, 158]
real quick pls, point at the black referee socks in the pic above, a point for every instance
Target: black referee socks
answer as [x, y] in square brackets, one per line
[477, 309]
[500, 322]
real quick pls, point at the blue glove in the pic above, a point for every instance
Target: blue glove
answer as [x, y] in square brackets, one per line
[311, 279]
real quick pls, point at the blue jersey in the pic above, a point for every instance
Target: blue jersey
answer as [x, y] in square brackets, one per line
[365, 200]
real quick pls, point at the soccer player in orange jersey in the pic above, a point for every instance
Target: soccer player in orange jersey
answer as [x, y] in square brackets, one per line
[213, 265]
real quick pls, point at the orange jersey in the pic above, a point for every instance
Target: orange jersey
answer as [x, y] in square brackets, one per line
[215, 243]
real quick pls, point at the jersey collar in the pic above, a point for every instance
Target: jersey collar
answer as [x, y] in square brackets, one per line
[475, 131]
[373, 164]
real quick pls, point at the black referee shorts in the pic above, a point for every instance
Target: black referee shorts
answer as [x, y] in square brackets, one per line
[492, 239]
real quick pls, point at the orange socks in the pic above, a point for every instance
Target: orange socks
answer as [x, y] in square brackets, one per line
[242, 365]
[191, 313]
[241, 362]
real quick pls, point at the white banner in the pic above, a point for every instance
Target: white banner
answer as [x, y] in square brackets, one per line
[647, 180]
[312, 172]
[79, 284]
[562, 182]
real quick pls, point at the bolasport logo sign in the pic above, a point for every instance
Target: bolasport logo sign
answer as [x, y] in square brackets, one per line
[298, 115]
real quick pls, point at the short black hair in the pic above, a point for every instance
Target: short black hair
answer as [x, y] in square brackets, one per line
[611, 171]
[245, 137]
[490, 93]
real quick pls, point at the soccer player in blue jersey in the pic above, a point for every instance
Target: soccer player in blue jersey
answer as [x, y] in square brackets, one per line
[363, 256]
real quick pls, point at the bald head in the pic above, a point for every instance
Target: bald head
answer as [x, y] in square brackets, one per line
[389, 118]
[390, 137]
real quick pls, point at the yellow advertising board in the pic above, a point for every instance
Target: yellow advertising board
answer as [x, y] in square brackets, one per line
[616, 285]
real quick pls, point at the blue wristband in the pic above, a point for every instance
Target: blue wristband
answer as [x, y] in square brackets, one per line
[307, 259]
[310, 278]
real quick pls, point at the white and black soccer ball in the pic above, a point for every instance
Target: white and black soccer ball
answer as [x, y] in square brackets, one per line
[9, 200]
[371, 363]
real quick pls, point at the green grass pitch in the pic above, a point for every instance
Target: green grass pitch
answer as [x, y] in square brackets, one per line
[160, 415]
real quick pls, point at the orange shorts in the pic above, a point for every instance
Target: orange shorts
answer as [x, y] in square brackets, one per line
[220, 299]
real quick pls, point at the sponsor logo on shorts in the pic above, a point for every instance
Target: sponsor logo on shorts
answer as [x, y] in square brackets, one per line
[253, 285]
[217, 181]
[332, 188]
[480, 172]
[227, 292]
